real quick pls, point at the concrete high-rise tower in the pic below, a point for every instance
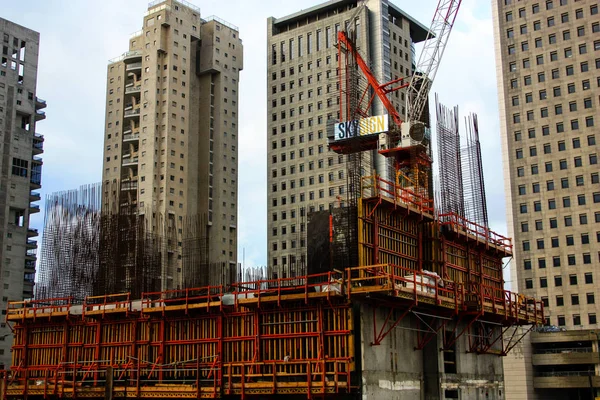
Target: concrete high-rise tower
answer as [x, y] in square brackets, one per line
[171, 137]
[302, 95]
[548, 63]
[20, 110]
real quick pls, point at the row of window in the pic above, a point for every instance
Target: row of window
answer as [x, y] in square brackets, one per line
[560, 301]
[568, 221]
[556, 261]
[555, 73]
[555, 242]
[558, 280]
[560, 320]
[579, 181]
[537, 25]
[547, 147]
[566, 201]
[593, 160]
[535, 8]
[568, 52]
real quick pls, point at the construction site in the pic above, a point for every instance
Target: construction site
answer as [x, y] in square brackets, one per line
[403, 295]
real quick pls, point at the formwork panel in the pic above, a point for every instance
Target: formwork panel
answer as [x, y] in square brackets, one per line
[388, 235]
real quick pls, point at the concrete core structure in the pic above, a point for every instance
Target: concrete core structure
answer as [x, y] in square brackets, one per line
[20, 110]
[548, 63]
[171, 134]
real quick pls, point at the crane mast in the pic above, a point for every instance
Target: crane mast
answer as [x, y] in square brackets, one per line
[430, 57]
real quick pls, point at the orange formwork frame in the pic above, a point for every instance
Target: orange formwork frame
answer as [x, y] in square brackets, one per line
[265, 338]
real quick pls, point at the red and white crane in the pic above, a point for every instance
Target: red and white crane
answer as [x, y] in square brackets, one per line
[417, 85]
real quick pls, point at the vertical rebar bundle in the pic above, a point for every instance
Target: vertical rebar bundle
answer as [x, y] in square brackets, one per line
[70, 244]
[87, 250]
[449, 160]
[474, 185]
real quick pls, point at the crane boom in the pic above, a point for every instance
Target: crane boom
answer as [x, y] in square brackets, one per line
[430, 57]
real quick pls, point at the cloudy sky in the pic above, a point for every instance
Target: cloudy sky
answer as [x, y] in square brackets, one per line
[79, 37]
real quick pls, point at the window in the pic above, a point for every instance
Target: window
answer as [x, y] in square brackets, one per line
[591, 319]
[528, 284]
[542, 263]
[560, 301]
[576, 320]
[573, 279]
[558, 109]
[552, 204]
[557, 280]
[555, 73]
[19, 167]
[569, 70]
[538, 43]
[527, 264]
[589, 279]
[537, 26]
[561, 320]
[554, 56]
[549, 185]
[590, 298]
[556, 91]
[554, 241]
[543, 282]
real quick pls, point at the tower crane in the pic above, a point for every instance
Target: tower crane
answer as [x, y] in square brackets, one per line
[401, 137]
[417, 85]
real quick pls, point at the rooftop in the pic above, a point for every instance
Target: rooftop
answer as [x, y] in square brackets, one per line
[418, 31]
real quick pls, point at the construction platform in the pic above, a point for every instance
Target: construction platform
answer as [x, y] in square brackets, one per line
[273, 337]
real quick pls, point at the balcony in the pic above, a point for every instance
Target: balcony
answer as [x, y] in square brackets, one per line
[133, 89]
[32, 232]
[127, 160]
[29, 266]
[31, 244]
[129, 185]
[37, 159]
[35, 182]
[565, 356]
[38, 144]
[34, 196]
[132, 113]
[134, 66]
[128, 57]
[565, 380]
[34, 208]
[39, 103]
[39, 115]
[31, 255]
[129, 137]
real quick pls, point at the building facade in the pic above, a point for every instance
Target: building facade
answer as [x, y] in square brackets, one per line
[548, 69]
[20, 110]
[171, 136]
[303, 92]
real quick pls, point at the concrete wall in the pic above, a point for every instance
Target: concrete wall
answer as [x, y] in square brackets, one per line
[395, 370]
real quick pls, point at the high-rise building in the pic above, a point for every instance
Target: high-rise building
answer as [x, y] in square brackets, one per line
[303, 95]
[548, 68]
[171, 137]
[20, 110]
